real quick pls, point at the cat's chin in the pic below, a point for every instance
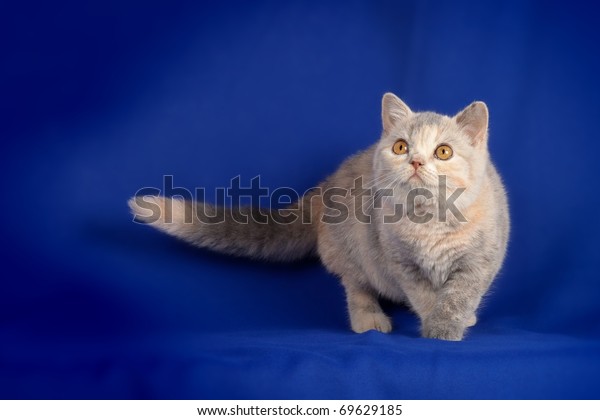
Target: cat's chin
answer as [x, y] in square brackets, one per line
[416, 181]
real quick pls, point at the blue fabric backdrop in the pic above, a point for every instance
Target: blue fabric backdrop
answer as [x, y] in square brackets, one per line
[99, 99]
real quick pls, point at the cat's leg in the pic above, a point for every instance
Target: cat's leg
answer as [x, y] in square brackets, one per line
[455, 306]
[444, 313]
[364, 309]
[420, 295]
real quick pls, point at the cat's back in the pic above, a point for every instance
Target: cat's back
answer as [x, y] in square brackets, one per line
[500, 200]
[356, 168]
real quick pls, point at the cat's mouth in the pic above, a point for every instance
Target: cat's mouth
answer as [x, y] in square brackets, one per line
[415, 177]
[418, 180]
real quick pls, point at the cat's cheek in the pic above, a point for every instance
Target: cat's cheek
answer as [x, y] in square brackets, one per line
[457, 176]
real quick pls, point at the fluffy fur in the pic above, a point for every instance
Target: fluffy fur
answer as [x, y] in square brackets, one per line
[439, 266]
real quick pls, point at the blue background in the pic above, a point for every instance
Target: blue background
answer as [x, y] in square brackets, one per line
[99, 99]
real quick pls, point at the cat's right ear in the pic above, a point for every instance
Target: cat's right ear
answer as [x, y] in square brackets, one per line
[393, 110]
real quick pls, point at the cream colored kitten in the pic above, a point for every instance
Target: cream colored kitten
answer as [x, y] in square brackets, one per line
[420, 218]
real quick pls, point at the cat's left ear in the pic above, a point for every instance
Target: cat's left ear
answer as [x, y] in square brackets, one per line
[473, 121]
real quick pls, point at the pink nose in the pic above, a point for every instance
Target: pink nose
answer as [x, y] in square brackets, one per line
[416, 163]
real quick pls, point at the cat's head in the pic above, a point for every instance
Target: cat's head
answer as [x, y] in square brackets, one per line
[416, 148]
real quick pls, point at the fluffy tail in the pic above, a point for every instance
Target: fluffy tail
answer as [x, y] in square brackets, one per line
[277, 235]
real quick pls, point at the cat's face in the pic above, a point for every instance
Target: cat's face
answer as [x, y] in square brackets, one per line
[417, 148]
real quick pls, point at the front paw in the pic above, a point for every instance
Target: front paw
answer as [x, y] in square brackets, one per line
[443, 330]
[365, 321]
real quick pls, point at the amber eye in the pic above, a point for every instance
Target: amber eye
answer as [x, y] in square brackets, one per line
[400, 147]
[444, 152]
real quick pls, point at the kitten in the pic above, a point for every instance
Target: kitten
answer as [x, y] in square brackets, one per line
[420, 218]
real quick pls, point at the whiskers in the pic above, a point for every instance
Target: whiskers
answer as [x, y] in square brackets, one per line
[379, 188]
[393, 185]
